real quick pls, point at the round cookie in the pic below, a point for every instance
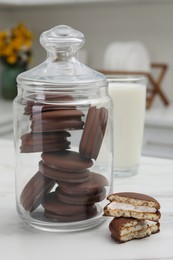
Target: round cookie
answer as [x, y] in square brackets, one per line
[47, 103]
[94, 185]
[103, 117]
[64, 176]
[93, 132]
[81, 199]
[51, 125]
[35, 190]
[44, 142]
[56, 120]
[89, 132]
[58, 114]
[59, 211]
[72, 218]
[66, 161]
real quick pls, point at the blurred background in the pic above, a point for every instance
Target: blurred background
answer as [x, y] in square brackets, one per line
[148, 22]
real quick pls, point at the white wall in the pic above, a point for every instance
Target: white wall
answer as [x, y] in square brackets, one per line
[151, 23]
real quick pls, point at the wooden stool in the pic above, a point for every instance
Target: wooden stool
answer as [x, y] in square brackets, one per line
[154, 87]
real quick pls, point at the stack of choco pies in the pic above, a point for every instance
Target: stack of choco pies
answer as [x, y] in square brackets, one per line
[64, 186]
[135, 215]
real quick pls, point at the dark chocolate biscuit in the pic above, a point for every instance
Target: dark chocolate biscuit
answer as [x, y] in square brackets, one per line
[53, 113]
[93, 132]
[64, 176]
[52, 126]
[47, 103]
[44, 142]
[126, 229]
[66, 161]
[130, 204]
[90, 213]
[58, 114]
[56, 120]
[94, 185]
[63, 212]
[82, 198]
[35, 190]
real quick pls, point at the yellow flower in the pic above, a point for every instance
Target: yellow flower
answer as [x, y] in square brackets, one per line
[16, 44]
[11, 59]
[3, 36]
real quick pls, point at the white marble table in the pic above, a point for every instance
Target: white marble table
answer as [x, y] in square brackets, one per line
[20, 242]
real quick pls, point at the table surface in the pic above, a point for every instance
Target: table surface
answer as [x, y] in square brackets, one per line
[18, 241]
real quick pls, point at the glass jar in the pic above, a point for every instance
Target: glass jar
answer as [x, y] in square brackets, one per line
[63, 138]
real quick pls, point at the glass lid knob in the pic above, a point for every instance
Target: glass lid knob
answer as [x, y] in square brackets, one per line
[62, 41]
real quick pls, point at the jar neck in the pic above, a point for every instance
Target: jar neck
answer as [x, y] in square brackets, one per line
[77, 92]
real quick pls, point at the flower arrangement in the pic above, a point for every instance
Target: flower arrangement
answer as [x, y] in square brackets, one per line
[15, 45]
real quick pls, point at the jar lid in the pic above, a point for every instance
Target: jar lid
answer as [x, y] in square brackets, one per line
[61, 66]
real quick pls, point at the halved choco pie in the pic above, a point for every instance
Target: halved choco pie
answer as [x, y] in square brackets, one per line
[130, 204]
[126, 229]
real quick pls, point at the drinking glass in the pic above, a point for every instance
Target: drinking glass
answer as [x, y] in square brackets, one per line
[128, 94]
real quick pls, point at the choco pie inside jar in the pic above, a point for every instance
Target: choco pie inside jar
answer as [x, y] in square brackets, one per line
[63, 138]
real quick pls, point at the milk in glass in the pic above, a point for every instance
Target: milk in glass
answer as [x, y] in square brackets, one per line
[129, 100]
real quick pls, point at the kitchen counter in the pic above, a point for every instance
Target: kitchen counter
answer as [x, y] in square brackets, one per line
[158, 132]
[20, 242]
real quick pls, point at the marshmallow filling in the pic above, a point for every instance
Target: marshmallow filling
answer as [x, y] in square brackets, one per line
[129, 207]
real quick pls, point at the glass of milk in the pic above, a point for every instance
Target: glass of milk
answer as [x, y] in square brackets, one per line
[128, 94]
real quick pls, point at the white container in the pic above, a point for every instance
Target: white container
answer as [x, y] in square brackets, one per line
[129, 100]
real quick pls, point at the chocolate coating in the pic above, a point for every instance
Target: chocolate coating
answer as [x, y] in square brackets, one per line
[71, 218]
[94, 185]
[57, 120]
[93, 132]
[47, 103]
[81, 199]
[66, 161]
[65, 124]
[64, 176]
[58, 114]
[35, 190]
[53, 205]
[39, 142]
